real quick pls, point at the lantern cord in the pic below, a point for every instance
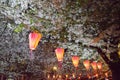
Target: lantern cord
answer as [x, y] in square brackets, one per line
[31, 55]
[88, 73]
[76, 68]
[60, 64]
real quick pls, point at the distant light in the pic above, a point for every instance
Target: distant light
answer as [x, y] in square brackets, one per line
[55, 68]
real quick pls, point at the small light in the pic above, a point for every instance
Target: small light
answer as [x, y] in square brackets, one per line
[48, 76]
[96, 75]
[66, 76]
[55, 68]
[53, 76]
[73, 75]
[106, 74]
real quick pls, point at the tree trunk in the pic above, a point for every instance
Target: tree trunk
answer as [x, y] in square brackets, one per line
[115, 69]
[116, 75]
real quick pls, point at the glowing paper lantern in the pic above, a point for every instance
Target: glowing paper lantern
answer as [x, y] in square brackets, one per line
[53, 76]
[99, 65]
[66, 76]
[75, 60]
[96, 75]
[59, 53]
[48, 76]
[73, 75]
[60, 76]
[78, 77]
[94, 65]
[34, 38]
[106, 74]
[87, 64]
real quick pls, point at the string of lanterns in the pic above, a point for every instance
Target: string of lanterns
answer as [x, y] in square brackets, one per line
[35, 37]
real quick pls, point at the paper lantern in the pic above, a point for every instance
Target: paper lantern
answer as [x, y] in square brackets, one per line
[53, 76]
[99, 65]
[87, 64]
[94, 65]
[48, 76]
[96, 75]
[59, 53]
[75, 60]
[60, 76]
[66, 75]
[73, 75]
[106, 74]
[34, 38]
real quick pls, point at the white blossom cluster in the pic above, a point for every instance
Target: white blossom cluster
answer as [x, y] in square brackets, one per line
[16, 11]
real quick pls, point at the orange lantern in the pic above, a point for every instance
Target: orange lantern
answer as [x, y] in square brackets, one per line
[73, 75]
[66, 75]
[75, 60]
[48, 76]
[106, 74]
[60, 76]
[94, 65]
[34, 38]
[99, 65]
[53, 76]
[59, 53]
[96, 75]
[87, 64]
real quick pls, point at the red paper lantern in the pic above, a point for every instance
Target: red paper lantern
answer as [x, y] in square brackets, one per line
[87, 64]
[34, 38]
[94, 65]
[99, 65]
[75, 60]
[59, 53]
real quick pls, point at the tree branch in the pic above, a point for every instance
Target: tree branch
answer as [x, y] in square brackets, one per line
[102, 54]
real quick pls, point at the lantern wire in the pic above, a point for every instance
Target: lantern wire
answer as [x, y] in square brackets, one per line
[60, 64]
[31, 55]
